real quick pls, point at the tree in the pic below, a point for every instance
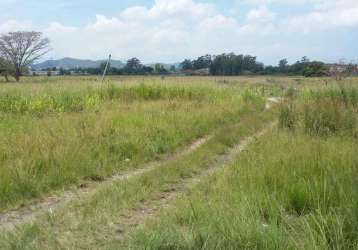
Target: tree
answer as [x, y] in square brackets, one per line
[305, 60]
[21, 49]
[202, 62]
[160, 69]
[133, 66]
[187, 64]
[231, 64]
[172, 68]
[283, 65]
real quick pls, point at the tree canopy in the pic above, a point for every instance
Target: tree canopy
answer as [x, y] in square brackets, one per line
[22, 48]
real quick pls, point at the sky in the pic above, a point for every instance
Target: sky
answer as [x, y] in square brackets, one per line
[169, 31]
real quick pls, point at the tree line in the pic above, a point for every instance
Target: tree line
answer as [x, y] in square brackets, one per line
[232, 64]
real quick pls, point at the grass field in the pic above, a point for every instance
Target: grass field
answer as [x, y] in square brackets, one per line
[296, 187]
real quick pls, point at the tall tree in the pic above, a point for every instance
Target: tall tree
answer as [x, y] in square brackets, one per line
[133, 66]
[202, 62]
[187, 64]
[231, 64]
[283, 65]
[21, 49]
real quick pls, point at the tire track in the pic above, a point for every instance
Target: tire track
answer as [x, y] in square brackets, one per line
[14, 217]
[11, 218]
[137, 216]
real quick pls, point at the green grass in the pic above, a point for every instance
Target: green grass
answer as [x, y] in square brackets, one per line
[93, 222]
[288, 191]
[294, 188]
[56, 138]
[323, 113]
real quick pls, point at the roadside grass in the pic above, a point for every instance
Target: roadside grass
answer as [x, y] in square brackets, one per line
[42, 151]
[94, 221]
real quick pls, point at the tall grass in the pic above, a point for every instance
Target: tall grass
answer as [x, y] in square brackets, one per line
[324, 112]
[52, 139]
[95, 221]
[288, 191]
[296, 188]
[72, 100]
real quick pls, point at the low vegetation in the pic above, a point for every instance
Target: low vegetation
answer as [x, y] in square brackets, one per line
[295, 187]
[288, 191]
[99, 214]
[53, 138]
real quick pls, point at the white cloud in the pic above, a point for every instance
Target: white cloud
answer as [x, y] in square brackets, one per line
[327, 16]
[14, 25]
[218, 22]
[286, 2]
[261, 14]
[57, 28]
[171, 30]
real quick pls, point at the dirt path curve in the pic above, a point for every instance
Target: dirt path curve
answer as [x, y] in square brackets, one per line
[146, 210]
[11, 218]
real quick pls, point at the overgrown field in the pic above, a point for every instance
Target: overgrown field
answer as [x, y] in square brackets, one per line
[52, 136]
[296, 187]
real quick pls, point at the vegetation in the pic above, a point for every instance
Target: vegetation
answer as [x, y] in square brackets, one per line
[100, 213]
[102, 131]
[327, 112]
[294, 187]
[274, 199]
[225, 64]
[5, 69]
[20, 49]
[132, 67]
[231, 64]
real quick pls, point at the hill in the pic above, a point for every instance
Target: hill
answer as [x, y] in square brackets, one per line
[71, 63]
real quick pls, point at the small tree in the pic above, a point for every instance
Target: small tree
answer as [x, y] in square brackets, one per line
[21, 49]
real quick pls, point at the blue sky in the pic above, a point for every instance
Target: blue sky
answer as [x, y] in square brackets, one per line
[171, 30]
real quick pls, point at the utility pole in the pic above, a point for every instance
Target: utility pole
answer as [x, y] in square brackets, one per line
[106, 68]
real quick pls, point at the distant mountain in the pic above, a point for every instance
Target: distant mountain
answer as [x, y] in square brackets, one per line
[72, 63]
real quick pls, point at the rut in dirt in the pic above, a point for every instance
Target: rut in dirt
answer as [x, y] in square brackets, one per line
[149, 209]
[12, 218]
